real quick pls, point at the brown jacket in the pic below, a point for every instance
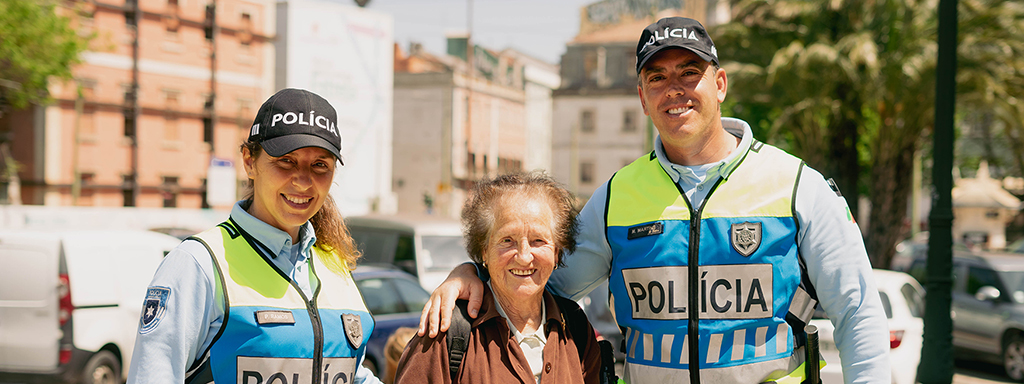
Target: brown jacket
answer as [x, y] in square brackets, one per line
[494, 356]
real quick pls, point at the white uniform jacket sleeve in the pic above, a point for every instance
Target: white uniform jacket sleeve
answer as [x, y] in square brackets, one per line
[591, 264]
[190, 319]
[837, 264]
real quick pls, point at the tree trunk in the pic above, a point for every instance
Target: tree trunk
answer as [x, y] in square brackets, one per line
[843, 137]
[890, 187]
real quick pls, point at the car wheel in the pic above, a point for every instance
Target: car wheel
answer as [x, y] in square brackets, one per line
[102, 368]
[369, 364]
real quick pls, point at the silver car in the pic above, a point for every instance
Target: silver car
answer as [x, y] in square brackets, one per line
[988, 308]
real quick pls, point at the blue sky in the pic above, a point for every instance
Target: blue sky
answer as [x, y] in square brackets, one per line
[539, 28]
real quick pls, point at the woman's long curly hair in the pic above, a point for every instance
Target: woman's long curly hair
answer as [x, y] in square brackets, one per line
[479, 213]
[332, 235]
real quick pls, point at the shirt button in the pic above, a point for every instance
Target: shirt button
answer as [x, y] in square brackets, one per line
[547, 368]
[700, 187]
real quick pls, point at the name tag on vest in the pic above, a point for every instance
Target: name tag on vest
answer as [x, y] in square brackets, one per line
[274, 317]
[639, 231]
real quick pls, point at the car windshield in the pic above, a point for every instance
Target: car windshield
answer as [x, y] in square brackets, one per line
[1014, 281]
[444, 252]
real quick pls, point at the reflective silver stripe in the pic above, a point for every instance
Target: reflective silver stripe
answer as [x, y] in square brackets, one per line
[648, 346]
[760, 338]
[632, 346]
[666, 347]
[748, 373]
[714, 348]
[739, 339]
[684, 358]
[782, 338]
[802, 305]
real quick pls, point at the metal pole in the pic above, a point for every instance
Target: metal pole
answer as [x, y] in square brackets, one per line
[936, 356]
[136, 108]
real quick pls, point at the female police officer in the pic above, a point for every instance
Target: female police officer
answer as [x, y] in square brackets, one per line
[266, 296]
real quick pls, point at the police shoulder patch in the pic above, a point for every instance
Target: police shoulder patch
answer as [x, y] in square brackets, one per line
[154, 308]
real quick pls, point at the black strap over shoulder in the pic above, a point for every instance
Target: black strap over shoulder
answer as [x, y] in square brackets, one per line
[458, 338]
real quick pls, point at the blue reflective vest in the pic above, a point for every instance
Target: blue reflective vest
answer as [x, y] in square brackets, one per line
[703, 293]
[273, 333]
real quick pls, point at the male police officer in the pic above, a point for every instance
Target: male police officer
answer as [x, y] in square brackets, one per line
[714, 244]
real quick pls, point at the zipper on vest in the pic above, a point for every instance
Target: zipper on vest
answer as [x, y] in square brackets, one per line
[318, 329]
[314, 315]
[693, 277]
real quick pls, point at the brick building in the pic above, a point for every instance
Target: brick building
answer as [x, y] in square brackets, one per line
[202, 70]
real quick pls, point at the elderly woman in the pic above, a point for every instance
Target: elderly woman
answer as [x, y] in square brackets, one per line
[518, 226]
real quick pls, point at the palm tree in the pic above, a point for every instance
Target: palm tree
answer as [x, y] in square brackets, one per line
[843, 83]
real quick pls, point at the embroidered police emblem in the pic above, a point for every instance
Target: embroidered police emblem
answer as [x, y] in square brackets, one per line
[353, 329]
[746, 237]
[154, 308]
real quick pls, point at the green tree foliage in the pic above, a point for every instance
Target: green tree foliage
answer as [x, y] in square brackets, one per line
[36, 45]
[849, 86]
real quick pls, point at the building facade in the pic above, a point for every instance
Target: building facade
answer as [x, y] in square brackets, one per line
[599, 123]
[452, 127]
[200, 70]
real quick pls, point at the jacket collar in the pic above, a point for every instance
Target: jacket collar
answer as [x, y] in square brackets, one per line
[723, 168]
[489, 312]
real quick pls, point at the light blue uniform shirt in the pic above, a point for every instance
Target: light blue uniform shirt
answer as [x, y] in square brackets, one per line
[195, 307]
[828, 241]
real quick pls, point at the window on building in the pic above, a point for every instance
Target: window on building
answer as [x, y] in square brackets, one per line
[129, 123]
[171, 19]
[87, 87]
[586, 172]
[245, 32]
[245, 113]
[172, 131]
[129, 113]
[208, 120]
[170, 191]
[87, 126]
[587, 120]
[211, 15]
[127, 195]
[590, 65]
[629, 120]
[205, 203]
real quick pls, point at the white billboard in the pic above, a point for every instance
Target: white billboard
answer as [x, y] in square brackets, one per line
[345, 54]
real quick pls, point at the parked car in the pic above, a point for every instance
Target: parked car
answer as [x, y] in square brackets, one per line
[395, 300]
[988, 308]
[427, 247]
[903, 302]
[70, 302]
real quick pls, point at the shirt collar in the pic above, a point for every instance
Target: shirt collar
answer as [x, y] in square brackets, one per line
[724, 167]
[278, 241]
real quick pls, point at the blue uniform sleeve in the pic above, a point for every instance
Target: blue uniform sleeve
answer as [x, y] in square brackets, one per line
[591, 264]
[837, 264]
[179, 326]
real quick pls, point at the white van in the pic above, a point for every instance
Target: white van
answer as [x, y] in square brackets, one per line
[427, 247]
[70, 302]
